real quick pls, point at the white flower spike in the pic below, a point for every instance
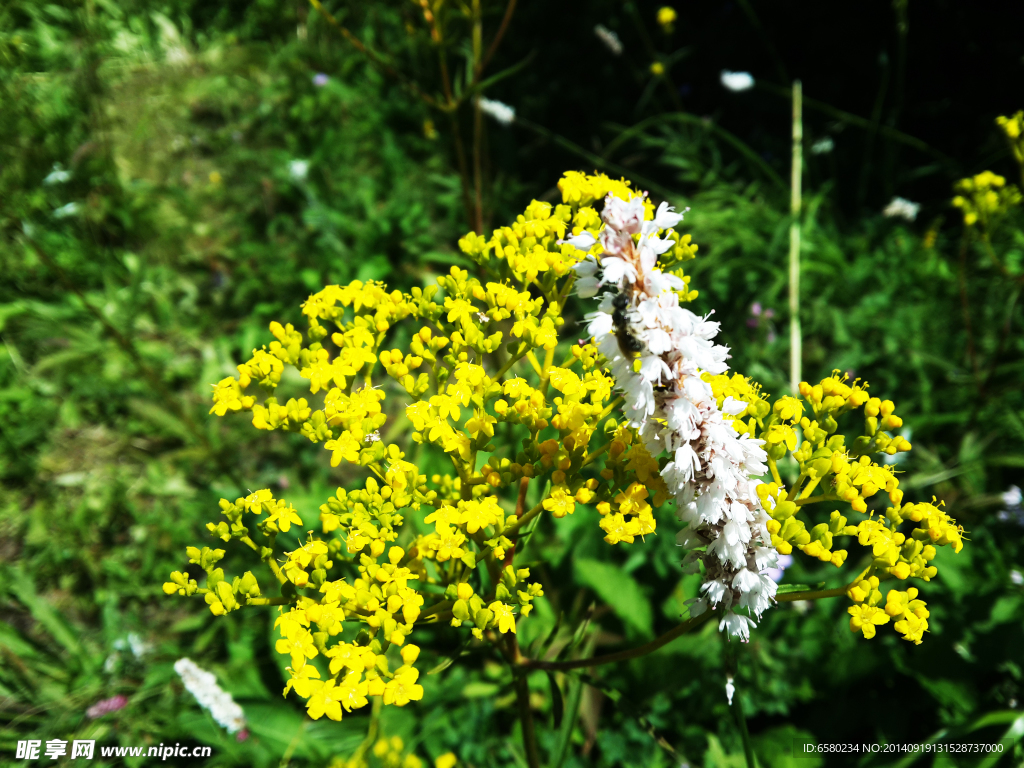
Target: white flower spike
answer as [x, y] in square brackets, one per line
[713, 471]
[203, 685]
[737, 81]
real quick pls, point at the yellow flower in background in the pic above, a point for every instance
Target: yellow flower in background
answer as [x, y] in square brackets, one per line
[984, 198]
[666, 17]
[1013, 127]
[657, 68]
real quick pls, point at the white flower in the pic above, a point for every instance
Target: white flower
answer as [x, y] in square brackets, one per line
[203, 685]
[1012, 497]
[501, 112]
[712, 470]
[737, 81]
[1016, 578]
[58, 175]
[64, 211]
[900, 208]
[298, 169]
[730, 689]
[135, 643]
[823, 146]
[610, 39]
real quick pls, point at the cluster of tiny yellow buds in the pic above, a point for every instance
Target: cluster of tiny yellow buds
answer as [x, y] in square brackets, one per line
[499, 614]
[632, 516]
[789, 531]
[227, 396]
[841, 473]
[984, 198]
[531, 246]
[910, 613]
[1013, 127]
[581, 189]
[386, 753]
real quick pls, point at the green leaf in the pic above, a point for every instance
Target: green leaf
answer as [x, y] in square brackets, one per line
[620, 591]
[557, 704]
[480, 689]
[21, 586]
[785, 589]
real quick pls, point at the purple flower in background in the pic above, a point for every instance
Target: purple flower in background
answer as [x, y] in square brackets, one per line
[320, 79]
[105, 707]
[782, 563]
[759, 313]
[242, 735]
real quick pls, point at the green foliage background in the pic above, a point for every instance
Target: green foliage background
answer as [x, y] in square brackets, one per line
[190, 228]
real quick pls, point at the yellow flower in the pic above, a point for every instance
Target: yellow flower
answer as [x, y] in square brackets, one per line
[560, 503]
[504, 617]
[657, 68]
[298, 643]
[352, 692]
[666, 17]
[403, 688]
[304, 681]
[865, 618]
[324, 700]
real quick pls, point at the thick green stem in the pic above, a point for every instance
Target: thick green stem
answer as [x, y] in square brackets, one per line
[526, 718]
[741, 720]
[795, 352]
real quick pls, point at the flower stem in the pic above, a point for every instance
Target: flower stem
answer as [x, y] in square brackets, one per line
[525, 713]
[741, 720]
[794, 241]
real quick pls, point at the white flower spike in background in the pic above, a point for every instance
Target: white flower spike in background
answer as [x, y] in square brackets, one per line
[899, 208]
[500, 111]
[203, 685]
[610, 39]
[737, 81]
[657, 352]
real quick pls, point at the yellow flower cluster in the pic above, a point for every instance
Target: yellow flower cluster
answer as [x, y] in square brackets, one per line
[470, 365]
[985, 198]
[1013, 127]
[385, 753]
[831, 471]
[483, 358]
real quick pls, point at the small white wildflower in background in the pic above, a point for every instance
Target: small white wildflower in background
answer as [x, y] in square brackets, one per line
[899, 208]
[58, 175]
[737, 81]
[1012, 511]
[730, 689]
[320, 79]
[610, 39]
[64, 211]
[1017, 578]
[1013, 497]
[203, 685]
[823, 146]
[298, 169]
[135, 643]
[501, 112]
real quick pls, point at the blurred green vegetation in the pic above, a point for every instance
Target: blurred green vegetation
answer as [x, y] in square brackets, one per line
[174, 176]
